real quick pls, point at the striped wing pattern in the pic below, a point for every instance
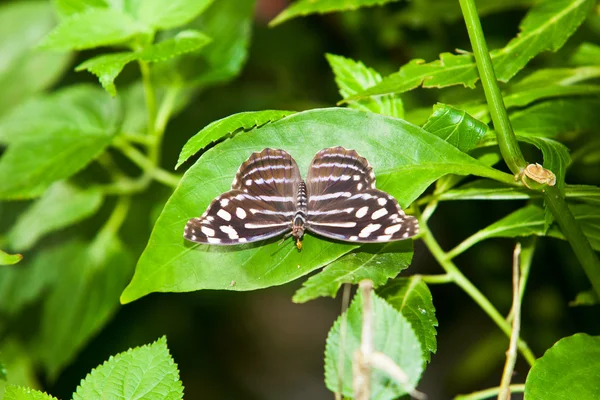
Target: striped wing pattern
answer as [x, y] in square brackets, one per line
[260, 205]
[344, 204]
[269, 198]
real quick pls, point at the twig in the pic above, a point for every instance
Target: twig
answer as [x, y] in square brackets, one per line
[342, 352]
[361, 371]
[488, 393]
[511, 353]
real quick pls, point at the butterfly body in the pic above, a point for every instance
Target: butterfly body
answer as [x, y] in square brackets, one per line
[268, 198]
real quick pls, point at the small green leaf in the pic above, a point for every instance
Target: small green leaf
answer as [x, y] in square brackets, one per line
[375, 262]
[107, 67]
[228, 23]
[60, 206]
[65, 8]
[542, 84]
[53, 137]
[353, 77]
[568, 370]
[531, 220]
[558, 117]
[92, 28]
[545, 27]
[222, 128]
[412, 298]
[185, 42]
[405, 158]
[21, 286]
[83, 299]
[301, 8]
[455, 126]
[585, 298]
[20, 393]
[26, 70]
[146, 372]
[9, 259]
[160, 14]
[404, 349]
[586, 54]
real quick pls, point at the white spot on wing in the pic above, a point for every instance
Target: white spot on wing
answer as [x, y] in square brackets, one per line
[353, 238]
[207, 231]
[390, 230]
[356, 177]
[362, 212]
[224, 214]
[224, 202]
[367, 230]
[248, 182]
[241, 214]
[379, 213]
[213, 240]
[232, 233]
[382, 201]
[336, 224]
[359, 186]
[383, 238]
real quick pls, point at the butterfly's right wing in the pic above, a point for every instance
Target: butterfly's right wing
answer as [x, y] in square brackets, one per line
[260, 204]
[344, 204]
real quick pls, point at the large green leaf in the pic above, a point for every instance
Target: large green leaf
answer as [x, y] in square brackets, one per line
[53, 137]
[375, 262]
[222, 128]
[62, 205]
[546, 27]
[146, 372]
[20, 393]
[412, 298]
[83, 299]
[92, 28]
[228, 23]
[568, 370]
[25, 70]
[9, 259]
[392, 336]
[307, 7]
[65, 8]
[353, 77]
[160, 14]
[455, 126]
[108, 66]
[406, 160]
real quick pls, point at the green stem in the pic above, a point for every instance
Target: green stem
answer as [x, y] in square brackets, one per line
[118, 215]
[572, 231]
[147, 165]
[150, 96]
[471, 290]
[489, 393]
[436, 279]
[509, 148]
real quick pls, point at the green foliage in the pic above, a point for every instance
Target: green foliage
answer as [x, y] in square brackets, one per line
[455, 126]
[306, 7]
[20, 393]
[81, 170]
[9, 259]
[388, 323]
[170, 263]
[567, 370]
[412, 298]
[353, 77]
[61, 205]
[375, 262]
[222, 128]
[70, 129]
[25, 70]
[546, 27]
[156, 376]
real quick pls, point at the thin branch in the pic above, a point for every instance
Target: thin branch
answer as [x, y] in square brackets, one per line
[511, 354]
[342, 351]
[361, 370]
[489, 393]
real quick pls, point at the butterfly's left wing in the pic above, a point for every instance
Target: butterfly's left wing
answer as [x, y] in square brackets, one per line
[344, 204]
[260, 204]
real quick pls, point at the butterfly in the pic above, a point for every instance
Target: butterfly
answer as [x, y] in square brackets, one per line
[268, 198]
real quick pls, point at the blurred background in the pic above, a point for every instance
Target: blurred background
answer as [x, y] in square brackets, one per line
[260, 345]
